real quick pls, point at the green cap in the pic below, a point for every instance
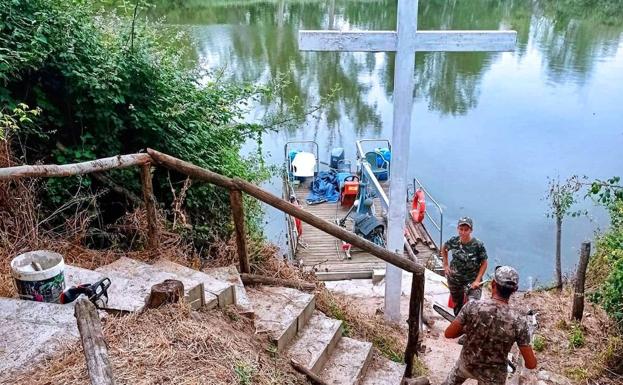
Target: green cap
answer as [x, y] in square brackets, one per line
[466, 221]
[506, 276]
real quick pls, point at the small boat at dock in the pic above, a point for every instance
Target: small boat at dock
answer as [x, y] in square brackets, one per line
[354, 195]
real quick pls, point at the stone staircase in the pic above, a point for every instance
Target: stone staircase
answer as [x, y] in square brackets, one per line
[315, 341]
[287, 316]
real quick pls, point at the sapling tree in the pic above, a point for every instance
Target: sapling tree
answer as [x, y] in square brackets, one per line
[561, 197]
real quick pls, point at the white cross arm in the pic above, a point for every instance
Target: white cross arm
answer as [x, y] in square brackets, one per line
[453, 41]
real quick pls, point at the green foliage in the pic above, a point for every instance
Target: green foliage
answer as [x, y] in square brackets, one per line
[539, 343]
[562, 196]
[607, 12]
[244, 371]
[606, 266]
[577, 374]
[387, 347]
[19, 119]
[111, 85]
[576, 336]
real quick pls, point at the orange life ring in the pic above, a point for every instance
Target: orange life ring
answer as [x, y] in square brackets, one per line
[418, 206]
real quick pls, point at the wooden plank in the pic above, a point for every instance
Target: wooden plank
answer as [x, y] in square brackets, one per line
[347, 41]
[462, 41]
[387, 41]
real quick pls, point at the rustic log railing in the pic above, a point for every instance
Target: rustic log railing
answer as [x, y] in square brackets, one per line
[236, 186]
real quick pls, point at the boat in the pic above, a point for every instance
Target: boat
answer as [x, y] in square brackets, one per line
[354, 195]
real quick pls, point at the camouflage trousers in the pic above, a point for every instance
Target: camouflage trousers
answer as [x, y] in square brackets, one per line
[459, 374]
[457, 291]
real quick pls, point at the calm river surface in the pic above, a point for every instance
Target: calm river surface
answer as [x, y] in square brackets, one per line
[488, 128]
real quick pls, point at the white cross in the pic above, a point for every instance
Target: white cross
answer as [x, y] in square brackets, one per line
[405, 42]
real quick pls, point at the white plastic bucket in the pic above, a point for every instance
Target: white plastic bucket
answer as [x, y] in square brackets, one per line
[44, 285]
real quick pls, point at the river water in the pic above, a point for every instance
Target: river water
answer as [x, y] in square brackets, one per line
[489, 129]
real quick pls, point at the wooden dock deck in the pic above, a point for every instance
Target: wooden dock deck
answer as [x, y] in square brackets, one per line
[322, 253]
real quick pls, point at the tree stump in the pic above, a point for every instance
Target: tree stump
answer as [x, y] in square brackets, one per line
[578, 299]
[169, 291]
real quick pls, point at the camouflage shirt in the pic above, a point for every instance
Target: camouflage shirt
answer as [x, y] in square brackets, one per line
[491, 328]
[466, 259]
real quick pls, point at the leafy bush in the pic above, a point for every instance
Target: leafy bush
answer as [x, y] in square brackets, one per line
[576, 336]
[106, 88]
[539, 343]
[606, 266]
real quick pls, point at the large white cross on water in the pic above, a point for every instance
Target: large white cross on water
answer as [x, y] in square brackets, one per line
[405, 42]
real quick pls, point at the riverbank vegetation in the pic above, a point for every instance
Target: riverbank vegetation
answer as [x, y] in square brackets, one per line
[104, 85]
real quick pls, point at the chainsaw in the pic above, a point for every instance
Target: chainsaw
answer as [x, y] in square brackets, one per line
[97, 293]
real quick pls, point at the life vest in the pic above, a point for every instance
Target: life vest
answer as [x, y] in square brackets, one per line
[418, 207]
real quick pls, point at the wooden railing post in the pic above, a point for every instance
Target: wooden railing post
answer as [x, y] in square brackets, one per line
[93, 343]
[416, 302]
[578, 298]
[237, 212]
[153, 240]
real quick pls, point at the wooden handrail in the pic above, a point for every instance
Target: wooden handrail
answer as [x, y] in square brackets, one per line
[235, 185]
[287, 207]
[54, 170]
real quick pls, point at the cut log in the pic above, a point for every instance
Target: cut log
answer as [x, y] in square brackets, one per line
[169, 291]
[313, 378]
[93, 343]
[253, 279]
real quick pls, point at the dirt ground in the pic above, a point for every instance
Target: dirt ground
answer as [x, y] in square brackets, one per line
[577, 365]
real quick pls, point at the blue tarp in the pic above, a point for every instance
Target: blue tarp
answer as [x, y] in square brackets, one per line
[324, 188]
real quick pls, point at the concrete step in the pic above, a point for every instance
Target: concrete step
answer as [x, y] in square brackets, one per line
[280, 312]
[141, 277]
[224, 291]
[31, 331]
[382, 371]
[122, 295]
[348, 363]
[315, 343]
[230, 275]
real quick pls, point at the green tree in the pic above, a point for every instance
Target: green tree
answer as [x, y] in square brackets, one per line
[561, 197]
[112, 85]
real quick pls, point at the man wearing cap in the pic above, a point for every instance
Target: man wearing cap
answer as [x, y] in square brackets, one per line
[468, 265]
[491, 327]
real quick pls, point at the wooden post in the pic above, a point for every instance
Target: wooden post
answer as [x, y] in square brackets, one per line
[578, 298]
[150, 207]
[169, 291]
[93, 343]
[237, 212]
[415, 308]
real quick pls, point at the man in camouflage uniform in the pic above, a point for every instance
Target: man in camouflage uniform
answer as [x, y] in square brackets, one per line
[491, 327]
[469, 263]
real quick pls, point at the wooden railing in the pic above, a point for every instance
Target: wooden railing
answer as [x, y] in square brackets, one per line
[235, 186]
